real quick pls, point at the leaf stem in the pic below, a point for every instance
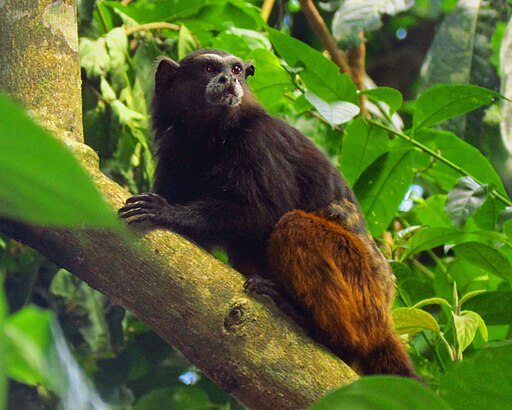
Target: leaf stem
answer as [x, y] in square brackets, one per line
[495, 194]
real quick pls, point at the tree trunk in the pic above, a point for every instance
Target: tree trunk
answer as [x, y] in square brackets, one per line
[189, 298]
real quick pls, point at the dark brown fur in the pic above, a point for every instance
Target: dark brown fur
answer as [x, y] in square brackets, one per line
[231, 175]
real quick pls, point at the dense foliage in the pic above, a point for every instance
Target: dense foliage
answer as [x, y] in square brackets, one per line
[430, 174]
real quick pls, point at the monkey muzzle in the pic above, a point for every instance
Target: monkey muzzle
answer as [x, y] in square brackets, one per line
[224, 91]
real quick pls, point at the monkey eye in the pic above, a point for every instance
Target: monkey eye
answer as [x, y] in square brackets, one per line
[210, 68]
[236, 69]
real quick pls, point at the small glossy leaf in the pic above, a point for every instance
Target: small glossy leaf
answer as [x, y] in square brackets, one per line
[381, 393]
[482, 381]
[470, 295]
[464, 199]
[482, 327]
[411, 321]
[42, 182]
[487, 216]
[432, 301]
[382, 187]
[466, 325]
[320, 75]
[495, 308]
[389, 96]
[335, 112]
[485, 257]
[445, 101]
[362, 144]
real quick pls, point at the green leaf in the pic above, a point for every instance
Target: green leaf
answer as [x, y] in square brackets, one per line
[45, 183]
[320, 75]
[485, 257]
[28, 342]
[432, 301]
[381, 393]
[465, 329]
[393, 98]
[487, 216]
[445, 101]
[271, 81]
[470, 295]
[429, 238]
[94, 57]
[336, 112]
[461, 154]
[409, 321]
[495, 308]
[431, 212]
[483, 381]
[117, 44]
[382, 187]
[464, 199]
[362, 144]
[186, 42]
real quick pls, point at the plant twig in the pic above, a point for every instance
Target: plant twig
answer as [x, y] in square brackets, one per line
[318, 24]
[266, 9]
[152, 26]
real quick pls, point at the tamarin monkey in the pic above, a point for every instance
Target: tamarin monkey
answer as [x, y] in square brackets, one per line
[230, 175]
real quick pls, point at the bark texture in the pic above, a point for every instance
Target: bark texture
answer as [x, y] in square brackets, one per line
[192, 300]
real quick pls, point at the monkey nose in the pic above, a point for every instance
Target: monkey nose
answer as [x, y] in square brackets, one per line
[223, 79]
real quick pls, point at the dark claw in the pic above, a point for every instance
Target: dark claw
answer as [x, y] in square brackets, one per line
[143, 207]
[261, 286]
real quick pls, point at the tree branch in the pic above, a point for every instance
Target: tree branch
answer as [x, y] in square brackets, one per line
[189, 298]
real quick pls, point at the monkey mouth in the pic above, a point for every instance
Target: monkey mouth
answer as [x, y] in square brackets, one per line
[227, 96]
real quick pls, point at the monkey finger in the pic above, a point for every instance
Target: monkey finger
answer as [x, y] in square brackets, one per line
[135, 212]
[142, 218]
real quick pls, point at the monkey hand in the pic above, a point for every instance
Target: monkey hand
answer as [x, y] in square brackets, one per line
[146, 207]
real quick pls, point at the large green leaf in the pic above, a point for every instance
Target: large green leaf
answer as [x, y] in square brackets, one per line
[28, 342]
[382, 393]
[321, 76]
[445, 101]
[486, 257]
[182, 397]
[494, 307]
[462, 155]
[271, 81]
[483, 381]
[362, 144]
[382, 187]
[429, 238]
[41, 181]
[466, 325]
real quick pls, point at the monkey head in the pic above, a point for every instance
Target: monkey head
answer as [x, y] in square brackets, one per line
[205, 81]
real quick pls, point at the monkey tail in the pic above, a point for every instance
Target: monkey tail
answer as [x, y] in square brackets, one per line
[344, 284]
[389, 357]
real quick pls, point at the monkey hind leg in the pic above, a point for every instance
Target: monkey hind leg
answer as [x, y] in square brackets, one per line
[328, 271]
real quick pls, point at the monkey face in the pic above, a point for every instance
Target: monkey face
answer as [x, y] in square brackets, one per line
[224, 75]
[216, 75]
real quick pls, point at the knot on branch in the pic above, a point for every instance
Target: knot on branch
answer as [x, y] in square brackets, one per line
[239, 314]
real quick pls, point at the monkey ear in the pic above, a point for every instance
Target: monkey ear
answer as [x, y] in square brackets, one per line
[166, 68]
[249, 68]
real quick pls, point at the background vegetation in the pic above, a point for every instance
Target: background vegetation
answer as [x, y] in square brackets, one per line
[431, 173]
